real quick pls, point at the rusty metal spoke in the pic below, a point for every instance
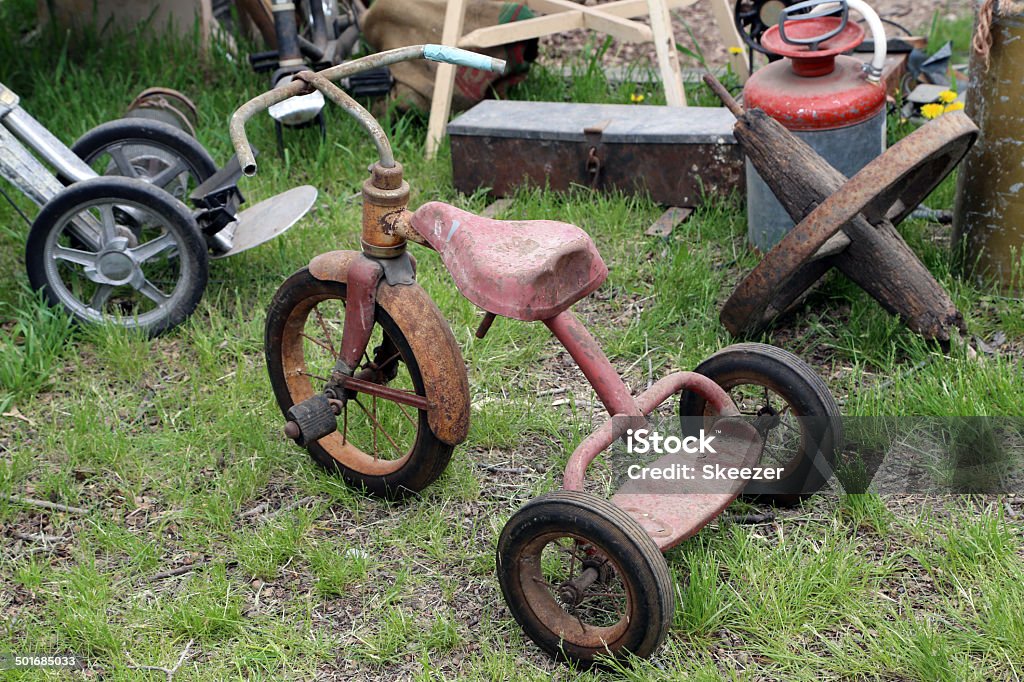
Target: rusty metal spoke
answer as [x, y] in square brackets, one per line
[612, 595]
[406, 415]
[312, 376]
[323, 345]
[327, 334]
[572, 551]
[791, 428]
[344, 425]
[377, 424]
[572, 559]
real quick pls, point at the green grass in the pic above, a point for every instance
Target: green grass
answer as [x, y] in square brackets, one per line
[169, 442]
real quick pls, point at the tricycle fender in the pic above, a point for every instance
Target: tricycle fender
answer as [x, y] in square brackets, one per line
[430, 338]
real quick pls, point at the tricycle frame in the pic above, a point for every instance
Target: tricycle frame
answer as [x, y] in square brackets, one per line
[382, 275]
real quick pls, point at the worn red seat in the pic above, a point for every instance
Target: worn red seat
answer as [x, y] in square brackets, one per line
[523, 269]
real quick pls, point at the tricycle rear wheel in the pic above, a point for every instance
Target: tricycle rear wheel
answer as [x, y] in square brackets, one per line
[622, 607]
[792, 407]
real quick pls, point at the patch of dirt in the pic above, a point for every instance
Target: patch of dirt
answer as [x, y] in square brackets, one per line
[699, 20]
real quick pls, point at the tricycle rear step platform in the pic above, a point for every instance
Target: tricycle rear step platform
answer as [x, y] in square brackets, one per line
[697, 488]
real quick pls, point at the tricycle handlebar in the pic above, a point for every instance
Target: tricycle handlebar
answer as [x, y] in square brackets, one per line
[306, 80]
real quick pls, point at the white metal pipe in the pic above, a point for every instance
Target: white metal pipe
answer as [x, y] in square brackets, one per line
[874, 69]
[877, 35]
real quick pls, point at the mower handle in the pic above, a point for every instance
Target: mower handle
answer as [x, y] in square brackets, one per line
[306, 81]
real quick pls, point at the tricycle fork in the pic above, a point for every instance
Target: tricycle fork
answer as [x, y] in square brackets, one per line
[363, 277]
[626, 411]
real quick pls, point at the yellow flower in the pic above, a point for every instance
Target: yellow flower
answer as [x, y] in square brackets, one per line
[932, 110]
[955, 106]
[735, 50]
[636, 97]
[947, 96]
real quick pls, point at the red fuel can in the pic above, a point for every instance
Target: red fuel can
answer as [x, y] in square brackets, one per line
[823, 97]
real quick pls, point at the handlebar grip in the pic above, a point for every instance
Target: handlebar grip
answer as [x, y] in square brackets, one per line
[460, 57]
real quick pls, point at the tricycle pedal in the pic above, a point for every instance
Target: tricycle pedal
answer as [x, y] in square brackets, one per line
[311, 420]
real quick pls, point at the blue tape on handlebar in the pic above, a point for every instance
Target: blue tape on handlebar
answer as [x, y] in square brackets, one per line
[454, 55]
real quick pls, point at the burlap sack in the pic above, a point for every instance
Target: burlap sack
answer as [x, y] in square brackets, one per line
[397, 23]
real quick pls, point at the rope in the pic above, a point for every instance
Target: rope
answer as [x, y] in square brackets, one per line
[982, 42]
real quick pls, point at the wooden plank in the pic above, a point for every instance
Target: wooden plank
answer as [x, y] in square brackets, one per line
[489, 36]
[629, 9]
[664, 225]
[561, 17]
[554, 6]
[625, 30]
[668, 57]
[444, 79]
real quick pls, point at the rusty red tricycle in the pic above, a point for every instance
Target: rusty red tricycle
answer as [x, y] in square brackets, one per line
[372, 383]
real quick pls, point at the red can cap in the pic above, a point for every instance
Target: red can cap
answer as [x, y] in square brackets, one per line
[811, 61]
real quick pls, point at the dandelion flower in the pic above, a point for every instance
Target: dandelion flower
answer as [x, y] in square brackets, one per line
[931, 111]
[947, 96]
[955, 106]
[735, 50]
[636, 97]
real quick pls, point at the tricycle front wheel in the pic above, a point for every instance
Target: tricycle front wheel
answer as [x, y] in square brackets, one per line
[381, 445]
[583, 579]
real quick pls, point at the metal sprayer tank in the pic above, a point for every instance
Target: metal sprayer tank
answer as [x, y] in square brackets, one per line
[832, 102]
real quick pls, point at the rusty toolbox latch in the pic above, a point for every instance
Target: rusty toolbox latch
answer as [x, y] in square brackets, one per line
[593, 163]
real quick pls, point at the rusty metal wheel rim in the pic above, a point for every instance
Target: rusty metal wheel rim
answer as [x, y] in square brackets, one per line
[540, 592]
[784, 427]
[303, 383]
[888, 188]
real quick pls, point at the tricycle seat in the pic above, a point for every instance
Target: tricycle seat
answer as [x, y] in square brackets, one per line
[523, 269]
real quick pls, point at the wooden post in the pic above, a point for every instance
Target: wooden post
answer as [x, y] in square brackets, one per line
[668, 57]
[444, 79]
[740, 61]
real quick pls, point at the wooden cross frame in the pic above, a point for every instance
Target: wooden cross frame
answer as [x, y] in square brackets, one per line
[614, 18]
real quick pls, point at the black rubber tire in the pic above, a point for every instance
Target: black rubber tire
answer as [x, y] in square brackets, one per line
[190, 248]
[164, 136]
[427, 458]
[607, 528]
[806, 393]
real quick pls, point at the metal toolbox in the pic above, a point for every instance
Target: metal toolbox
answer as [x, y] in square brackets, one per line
[677, 155]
